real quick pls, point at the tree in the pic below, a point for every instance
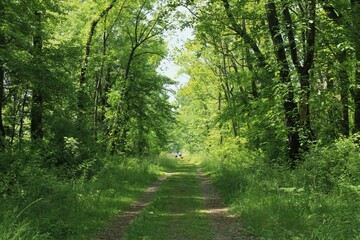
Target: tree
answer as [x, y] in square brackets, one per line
[296, 119]
[355, 35]
[85, 60]
[290, 75]
[346, 38]
[2, 77]
[37, 95]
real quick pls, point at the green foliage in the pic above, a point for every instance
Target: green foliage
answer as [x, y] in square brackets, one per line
[56, 128]
[319, 200]
[333, 166]
[57, 208]
[12, 229]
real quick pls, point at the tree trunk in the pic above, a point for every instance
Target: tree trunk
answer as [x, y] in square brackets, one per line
[22, 116]
[37, 96]
[2, 80]
[99, 83]
[249, 63]
[104, 96]
[97, 96]
[290, 106]
[353, 36]
[82, 95]
[2, 129]
[355, 13]
[13, 116]
[344, 94]
[37, 116]
[221, 140]
[244, 35]
[303, 70]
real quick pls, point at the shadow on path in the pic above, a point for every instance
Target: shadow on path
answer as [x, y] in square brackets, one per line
[116, 227]
[226, 226]
[186, 206]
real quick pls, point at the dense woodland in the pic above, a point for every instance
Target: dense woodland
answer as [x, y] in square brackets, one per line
[272, 110]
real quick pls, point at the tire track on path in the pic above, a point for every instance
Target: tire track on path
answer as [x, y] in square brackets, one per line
[117, 226]
[226, 226]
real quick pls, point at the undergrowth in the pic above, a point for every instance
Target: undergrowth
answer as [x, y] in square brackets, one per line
[318, 200]
[43, 205]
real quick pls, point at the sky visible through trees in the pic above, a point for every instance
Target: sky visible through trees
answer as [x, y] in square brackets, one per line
[264, 93]
[176, 39]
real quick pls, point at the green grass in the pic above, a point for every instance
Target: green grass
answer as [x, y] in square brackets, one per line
[175, 211]
[76, 208]
[318, 201]
[11, 228]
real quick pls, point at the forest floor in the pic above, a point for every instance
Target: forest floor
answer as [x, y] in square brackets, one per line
[183, 204]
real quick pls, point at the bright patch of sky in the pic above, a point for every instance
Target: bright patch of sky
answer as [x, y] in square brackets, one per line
[176, 39]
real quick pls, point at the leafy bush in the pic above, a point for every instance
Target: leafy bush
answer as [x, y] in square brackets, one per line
[332, 166]
[70, 207]
[319, 200]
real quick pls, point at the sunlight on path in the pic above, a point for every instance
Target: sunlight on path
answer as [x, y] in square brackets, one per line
[225, 225]
[185, 206]
[175, 211]
[116, 228]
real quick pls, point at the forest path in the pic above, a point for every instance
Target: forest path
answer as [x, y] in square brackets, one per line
[185, 206]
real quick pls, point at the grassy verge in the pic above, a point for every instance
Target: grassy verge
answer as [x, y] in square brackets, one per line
[319, 200]
[78, 208]
[175, 212]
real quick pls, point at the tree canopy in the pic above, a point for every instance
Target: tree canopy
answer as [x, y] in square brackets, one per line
[273, 91]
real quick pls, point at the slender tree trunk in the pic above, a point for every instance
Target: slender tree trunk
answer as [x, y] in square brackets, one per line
[37, 116]
[13, 122]
[82, 95]
[219, 110]
[355, 13]
[2, 129]
[125, 128]
[97, 96]
[99, 82]
[244, 35]
[327, 78]
[227, 89]
[22, 116]
[303, 70]
[354, 36]
[304, 109]
[344, 94]
[37, 96]
[356, 98]
[104, 96]
[290, 107]
[2, 80]
[249, 63]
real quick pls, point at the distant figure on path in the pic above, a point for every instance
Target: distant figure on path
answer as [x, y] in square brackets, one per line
[176, 155]
[180, 154]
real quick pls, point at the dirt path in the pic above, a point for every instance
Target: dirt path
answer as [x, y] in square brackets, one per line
[185, 206]
[225, 225]
[116, 227]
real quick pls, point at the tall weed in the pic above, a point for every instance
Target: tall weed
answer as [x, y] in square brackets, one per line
[12, 228]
